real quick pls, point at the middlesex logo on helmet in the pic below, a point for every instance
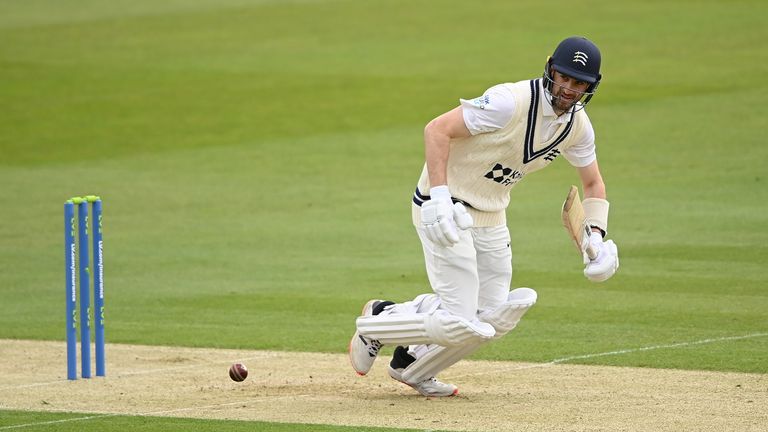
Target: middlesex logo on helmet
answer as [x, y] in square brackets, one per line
[580, 57]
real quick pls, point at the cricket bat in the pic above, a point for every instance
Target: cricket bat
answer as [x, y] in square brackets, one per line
[575, 224]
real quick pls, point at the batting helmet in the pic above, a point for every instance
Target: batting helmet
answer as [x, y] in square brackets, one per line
[576, 57]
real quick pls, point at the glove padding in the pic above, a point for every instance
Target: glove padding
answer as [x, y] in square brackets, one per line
[442, 220]
[606, 263]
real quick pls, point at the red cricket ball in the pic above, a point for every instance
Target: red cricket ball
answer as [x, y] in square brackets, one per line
[238, 372]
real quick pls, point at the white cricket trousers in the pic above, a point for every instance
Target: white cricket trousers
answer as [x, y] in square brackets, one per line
[472, 275]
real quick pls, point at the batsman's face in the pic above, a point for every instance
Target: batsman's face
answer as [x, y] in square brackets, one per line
[566, 91]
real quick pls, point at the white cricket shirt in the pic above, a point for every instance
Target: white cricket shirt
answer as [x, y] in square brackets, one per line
[496, 107]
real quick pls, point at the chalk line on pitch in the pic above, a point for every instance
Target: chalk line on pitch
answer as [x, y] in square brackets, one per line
[617, 352]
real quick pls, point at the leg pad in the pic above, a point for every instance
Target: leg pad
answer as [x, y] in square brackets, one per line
[506, 316]
[437, 359]
[440, 327]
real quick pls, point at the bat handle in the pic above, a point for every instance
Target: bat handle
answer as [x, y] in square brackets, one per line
[590, 248]
[591, 252]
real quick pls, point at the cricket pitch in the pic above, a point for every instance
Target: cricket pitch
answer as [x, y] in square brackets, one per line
[323, 389]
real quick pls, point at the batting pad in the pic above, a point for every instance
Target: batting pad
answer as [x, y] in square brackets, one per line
[440, 327]
[506, 316]
[438, 359]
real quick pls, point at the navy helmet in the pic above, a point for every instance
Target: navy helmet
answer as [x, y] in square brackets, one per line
[578, 58]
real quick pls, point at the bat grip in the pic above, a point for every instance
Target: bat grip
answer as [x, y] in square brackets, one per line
[591, 252]
[590, 248]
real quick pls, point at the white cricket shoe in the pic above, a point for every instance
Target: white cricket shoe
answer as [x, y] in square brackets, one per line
[362, 350]
[428, 387]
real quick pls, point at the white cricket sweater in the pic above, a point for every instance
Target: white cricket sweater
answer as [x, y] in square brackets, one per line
[483, 168]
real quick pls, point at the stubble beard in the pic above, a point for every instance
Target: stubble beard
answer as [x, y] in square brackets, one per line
[561, 106]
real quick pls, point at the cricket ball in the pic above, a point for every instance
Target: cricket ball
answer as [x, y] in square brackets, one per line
[238, 372]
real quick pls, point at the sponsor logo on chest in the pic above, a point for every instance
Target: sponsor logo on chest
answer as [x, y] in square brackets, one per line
[504, 175]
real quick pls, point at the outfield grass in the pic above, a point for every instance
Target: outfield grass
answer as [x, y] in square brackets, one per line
[65, 422]
[256, 161]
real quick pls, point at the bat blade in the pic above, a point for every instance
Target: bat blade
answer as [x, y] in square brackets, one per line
[575, 224]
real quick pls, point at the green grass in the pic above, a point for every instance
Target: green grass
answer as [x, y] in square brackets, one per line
[256, 162]
[65, 422]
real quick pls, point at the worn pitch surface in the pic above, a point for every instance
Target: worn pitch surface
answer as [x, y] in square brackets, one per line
[321, 388]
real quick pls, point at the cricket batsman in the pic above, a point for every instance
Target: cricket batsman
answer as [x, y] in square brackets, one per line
[475, 154]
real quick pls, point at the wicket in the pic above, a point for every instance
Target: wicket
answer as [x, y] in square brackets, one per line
[83, 261]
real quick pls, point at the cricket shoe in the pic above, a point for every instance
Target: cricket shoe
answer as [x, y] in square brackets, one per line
[363, 350]
[428, 387]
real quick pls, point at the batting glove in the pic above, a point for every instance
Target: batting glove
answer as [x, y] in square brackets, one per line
[442, 219]
[605, 263]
